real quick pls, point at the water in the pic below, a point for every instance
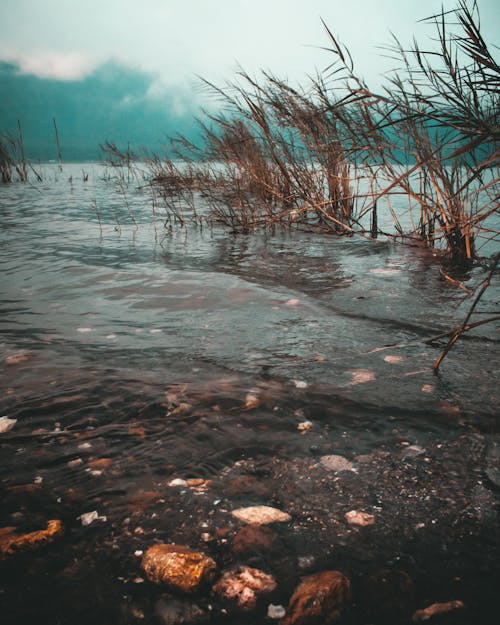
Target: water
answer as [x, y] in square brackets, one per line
[132, 354]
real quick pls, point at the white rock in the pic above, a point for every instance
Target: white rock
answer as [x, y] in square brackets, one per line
[89, 517]
[261, 515]
[304, 427]
[300, 384]
[178, 482]
[337, 463]
[275, 611]
[6, 424]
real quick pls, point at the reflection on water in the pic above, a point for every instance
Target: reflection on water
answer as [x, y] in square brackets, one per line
[131, 355]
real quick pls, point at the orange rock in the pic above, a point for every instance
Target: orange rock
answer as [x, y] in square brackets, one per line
[354, 517]
[178, 566]
[319, 598]
[100, 463]
[10, 542]
[437, 608]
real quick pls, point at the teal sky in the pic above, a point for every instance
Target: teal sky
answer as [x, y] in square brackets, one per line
[177, 39]
[126, 70]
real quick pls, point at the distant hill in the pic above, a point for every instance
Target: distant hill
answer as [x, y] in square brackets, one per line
[114, 103]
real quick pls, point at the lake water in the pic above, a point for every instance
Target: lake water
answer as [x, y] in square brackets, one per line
[133, 354]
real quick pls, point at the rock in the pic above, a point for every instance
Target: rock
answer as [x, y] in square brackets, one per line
[170, 611]
[354, 517]
[412, 451]
[178, 482]
[436, 609]
[6, 424]
[275, 611]
[256, 539]
[178, 566]
[17, 359]
[10, 542]
[388, 597]
[318, 599]
[261, 515]
[89, 517]
[243, 587]
[304, 426]
[362, 376]
[300, 384]
[336, 463]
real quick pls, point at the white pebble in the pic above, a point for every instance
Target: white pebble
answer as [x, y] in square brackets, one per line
[6, 424]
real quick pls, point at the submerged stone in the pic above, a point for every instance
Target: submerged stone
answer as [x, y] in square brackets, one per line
[10, 542]
[6, 424]
[336, 463]
[437, 609]
[319, 598]
[242, 587]
[179, 567]
[261, 515]
[355, 517]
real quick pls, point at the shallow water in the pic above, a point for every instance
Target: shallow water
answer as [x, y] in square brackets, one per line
[132, 354]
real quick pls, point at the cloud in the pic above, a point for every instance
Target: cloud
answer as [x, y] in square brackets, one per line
[58, 66]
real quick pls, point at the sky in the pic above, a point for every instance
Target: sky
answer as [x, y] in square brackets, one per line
[178, 39]
[174, 41]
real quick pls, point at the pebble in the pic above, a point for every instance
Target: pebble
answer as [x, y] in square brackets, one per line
[304, 427]
[412, 451]
[319, 598]
[261, 515]
[17, 359]
[300, 384]
[89, 517]
[178, 482]
[242, 587]
[437, 609]
[337, 463]
[275, 611]
[178, 567]
[292, 302]
[6, 424]
[354, 517]
[75, 463]
[362, 376]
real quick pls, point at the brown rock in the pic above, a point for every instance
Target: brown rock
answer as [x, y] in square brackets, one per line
[436, 609]
[10, 542]
[318, 599]
[255, 539]
[178, 566]
[242, 587]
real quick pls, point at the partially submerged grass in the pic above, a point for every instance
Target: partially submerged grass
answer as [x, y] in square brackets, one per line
[334, 154]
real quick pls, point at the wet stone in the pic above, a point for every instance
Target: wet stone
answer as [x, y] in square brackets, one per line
[319, 598]
[179, 567]
[437, 609]
[261, 515]
[256, 539]
[243, 587]
[336, 463]
[11, 542]
[363, 519]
